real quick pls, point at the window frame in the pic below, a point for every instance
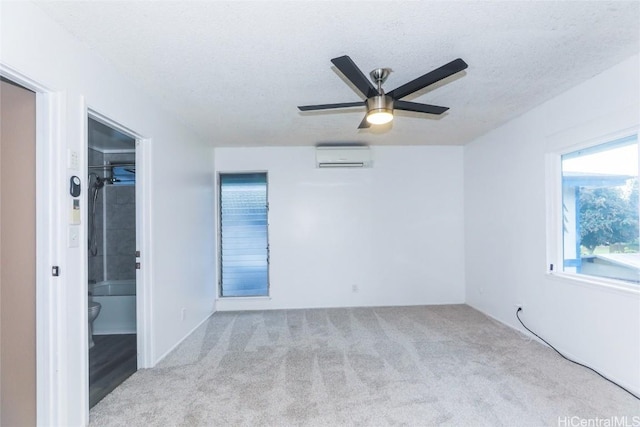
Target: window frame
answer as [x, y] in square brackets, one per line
[218, 220]
[558, 146]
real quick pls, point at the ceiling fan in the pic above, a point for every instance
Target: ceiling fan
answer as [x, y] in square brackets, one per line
[380, 105]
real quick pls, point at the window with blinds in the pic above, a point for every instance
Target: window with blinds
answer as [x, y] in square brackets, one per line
[244, 245]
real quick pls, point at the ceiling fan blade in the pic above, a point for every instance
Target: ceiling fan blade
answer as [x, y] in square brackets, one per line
[364, 124]
[329, 106]
[420, 108]
[353, 73]
[428, 79]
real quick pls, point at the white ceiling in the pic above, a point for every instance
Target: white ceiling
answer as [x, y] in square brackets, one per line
[236, 70]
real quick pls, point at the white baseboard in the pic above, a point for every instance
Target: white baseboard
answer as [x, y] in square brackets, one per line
[166, 353]
[567, 354]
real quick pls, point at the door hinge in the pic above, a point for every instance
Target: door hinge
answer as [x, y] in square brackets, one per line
[137, 254]
[137, 266]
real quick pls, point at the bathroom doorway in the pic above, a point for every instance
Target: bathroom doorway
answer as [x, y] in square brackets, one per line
[112, 258]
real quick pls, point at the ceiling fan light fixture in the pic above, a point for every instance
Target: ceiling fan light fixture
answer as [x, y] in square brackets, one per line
[379, 117]
[379, 110]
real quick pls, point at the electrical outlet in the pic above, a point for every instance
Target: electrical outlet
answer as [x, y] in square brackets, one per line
[519, 305]
[354, 288]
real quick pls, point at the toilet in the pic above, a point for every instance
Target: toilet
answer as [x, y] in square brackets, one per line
[94, 310]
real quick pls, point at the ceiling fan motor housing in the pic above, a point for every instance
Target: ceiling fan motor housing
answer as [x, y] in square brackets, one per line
[380, 103]
[379, 109]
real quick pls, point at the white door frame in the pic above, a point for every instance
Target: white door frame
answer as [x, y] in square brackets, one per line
[143, 241]
[50, 371]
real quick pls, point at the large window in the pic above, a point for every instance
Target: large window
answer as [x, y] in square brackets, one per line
[244, 246]
[600, 211]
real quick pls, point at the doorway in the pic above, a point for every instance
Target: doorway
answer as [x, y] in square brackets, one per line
[111, 247]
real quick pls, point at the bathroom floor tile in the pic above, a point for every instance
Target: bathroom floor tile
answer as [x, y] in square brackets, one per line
[111, 361]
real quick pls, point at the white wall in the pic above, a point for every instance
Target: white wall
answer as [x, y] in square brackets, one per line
[394, 230]
[180, 211]
[506, 192]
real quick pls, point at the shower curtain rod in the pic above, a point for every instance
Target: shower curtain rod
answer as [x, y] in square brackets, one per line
[113, 165]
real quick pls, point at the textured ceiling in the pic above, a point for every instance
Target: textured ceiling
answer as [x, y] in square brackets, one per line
[235, 71]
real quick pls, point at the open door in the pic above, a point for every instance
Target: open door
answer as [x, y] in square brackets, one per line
[18, 252]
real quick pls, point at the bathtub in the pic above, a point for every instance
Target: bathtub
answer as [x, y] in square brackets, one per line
[118, 312]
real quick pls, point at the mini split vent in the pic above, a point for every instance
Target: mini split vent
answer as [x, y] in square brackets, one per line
[343, 157]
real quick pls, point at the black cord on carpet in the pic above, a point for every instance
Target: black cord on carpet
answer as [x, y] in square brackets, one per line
[566, 358]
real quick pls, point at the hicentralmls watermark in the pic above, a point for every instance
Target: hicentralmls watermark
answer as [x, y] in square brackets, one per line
[614, 421]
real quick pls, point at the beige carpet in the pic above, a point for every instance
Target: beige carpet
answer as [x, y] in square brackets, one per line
[415, 366]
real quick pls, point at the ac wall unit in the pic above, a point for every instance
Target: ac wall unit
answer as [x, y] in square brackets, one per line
[343, 157]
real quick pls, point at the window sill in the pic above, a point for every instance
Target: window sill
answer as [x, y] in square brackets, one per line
[596, 283]
[256, 298]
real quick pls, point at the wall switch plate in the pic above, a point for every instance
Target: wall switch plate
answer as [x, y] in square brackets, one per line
[74, 236]
[73, 160]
